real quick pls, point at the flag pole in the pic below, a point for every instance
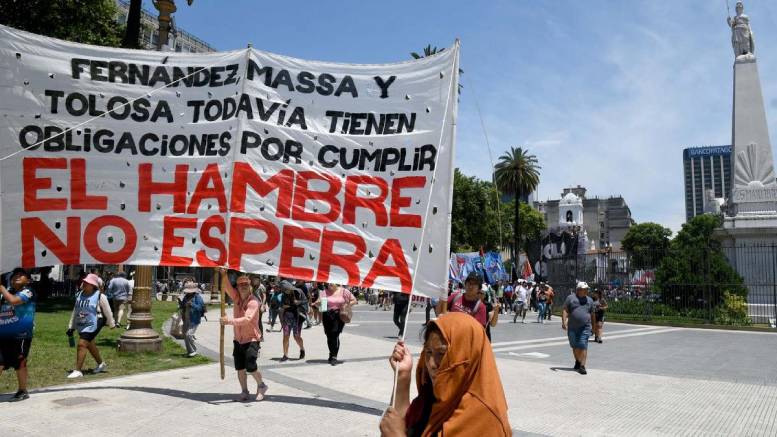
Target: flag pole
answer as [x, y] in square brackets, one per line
[222, 303]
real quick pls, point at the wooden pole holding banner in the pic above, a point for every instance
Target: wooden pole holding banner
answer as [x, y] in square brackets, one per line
[217, 276]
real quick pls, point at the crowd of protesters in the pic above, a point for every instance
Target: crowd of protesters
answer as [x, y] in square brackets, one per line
[446, 400]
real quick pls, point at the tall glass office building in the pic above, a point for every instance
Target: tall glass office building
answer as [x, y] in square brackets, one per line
[705, 168]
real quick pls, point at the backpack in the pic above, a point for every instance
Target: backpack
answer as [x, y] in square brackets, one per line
[458, 300]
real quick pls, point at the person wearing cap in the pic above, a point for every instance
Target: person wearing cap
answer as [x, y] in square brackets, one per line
[292, 317]
[192, 309]
[17, 317]
[119, 287]
[90, 313]
[246, 330]
[469, 301]
[577, 318]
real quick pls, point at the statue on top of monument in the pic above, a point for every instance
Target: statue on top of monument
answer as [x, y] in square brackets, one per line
[741, 34]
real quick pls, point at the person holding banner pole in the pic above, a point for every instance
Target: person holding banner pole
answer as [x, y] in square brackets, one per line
[459, 389]
[334, 299]
[246, 332]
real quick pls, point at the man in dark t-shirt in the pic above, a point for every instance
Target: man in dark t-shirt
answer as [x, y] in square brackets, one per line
[577, 318]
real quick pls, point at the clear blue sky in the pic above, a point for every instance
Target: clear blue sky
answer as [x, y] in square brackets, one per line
[605, 93]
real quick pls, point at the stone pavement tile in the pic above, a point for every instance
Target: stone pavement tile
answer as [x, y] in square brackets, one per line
[191, 401]
[558, 402]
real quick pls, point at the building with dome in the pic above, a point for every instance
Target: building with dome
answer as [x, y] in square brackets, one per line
[599, 222]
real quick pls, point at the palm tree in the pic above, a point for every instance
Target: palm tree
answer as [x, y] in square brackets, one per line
[428, 51]
[517, 173]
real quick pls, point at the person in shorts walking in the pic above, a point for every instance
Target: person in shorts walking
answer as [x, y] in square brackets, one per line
[577, 318]
[90, 313]
[521, 304]
[17, 316]
[292, 317]
[600, 305]
[246, 331]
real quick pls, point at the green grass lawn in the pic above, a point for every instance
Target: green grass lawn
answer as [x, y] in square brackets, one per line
[51, 358]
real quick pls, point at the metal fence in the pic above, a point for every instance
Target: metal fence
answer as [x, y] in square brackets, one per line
[628, 282]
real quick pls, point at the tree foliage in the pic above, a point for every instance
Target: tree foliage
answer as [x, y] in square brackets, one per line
[478, 214]
[695, 270]
[474, 221]
[646, 244]
[532, 224]
[82, 21]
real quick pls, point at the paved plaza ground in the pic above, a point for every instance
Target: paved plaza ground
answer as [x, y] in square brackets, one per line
[643, 380]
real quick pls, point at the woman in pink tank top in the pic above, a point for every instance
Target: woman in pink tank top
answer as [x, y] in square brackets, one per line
[332, 301]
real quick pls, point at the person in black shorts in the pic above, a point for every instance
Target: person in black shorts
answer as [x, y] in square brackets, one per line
[17, 314]
[600, 305]
[90, 313]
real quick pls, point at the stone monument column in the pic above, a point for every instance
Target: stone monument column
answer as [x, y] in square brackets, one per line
[749, 232]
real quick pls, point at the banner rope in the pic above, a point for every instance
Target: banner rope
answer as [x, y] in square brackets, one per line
[451, 95]
[149, 93]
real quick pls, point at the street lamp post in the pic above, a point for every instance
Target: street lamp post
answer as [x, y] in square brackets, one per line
[165, 8]
[142, 337]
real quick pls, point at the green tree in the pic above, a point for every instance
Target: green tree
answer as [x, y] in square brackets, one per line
[532, 223]
[695, 271]
[88, 22]
[517, 173]
[476, 215]
[646, 244]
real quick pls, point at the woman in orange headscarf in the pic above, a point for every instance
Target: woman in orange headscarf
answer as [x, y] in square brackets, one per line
[459, 389]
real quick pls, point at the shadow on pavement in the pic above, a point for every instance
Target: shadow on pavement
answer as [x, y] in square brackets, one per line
[563, 369]
[227, 398]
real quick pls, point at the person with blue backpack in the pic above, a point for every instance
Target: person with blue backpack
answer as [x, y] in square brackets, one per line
[192, 309]
[90, 313]
[17, 315]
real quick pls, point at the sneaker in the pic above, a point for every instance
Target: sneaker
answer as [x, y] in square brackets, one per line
[524, 322]
[577, 365]
[193, 354]
[20, 396]
[100, 368]
[331, 361]
[335, 362]
[284, 358]
[242, 397]
[302, 354]
[260, 391]
[582, 370]
[75, 374]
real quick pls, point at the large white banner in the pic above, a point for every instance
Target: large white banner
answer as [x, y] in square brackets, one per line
[259, 162]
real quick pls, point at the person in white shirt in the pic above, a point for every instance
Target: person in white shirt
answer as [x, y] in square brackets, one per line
[521, 301]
